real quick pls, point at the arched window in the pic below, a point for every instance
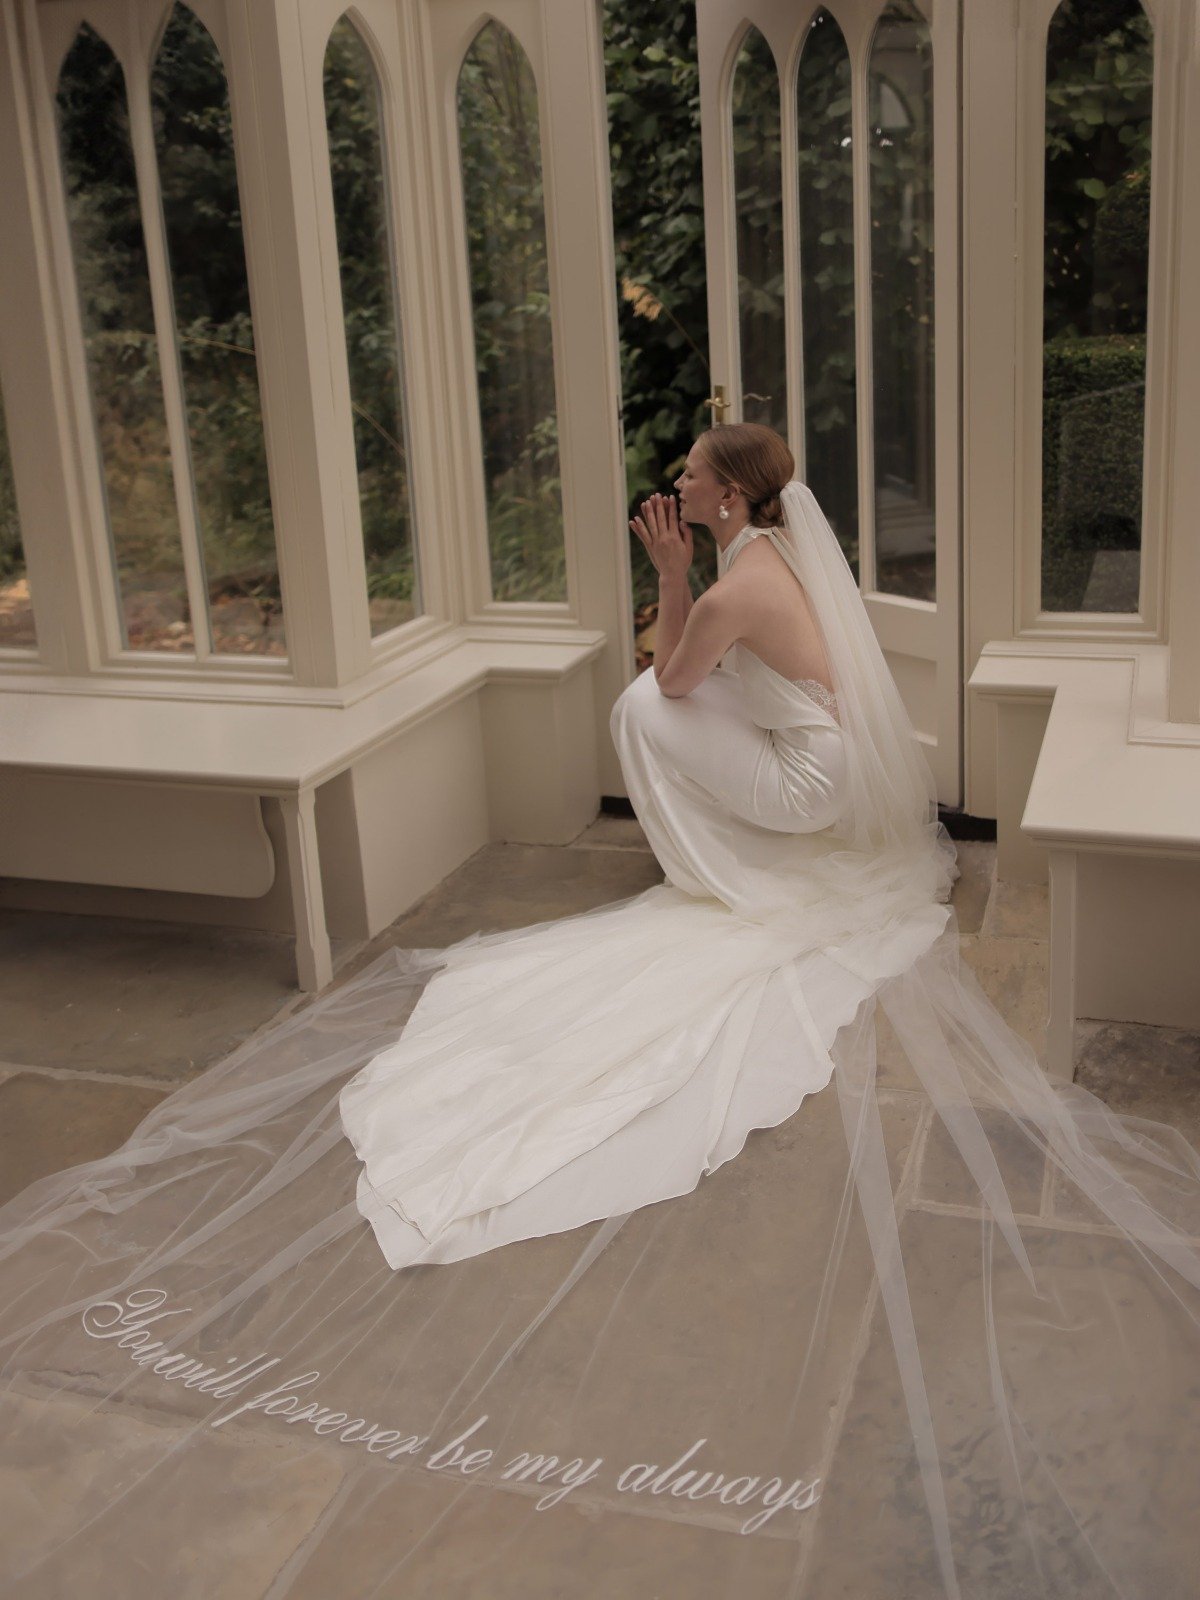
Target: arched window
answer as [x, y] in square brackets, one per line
[758, 214]
[510, 297]
[122, 346]
[1099, 86]
[358, 167]
[825, 169]
[193, 137]
[900, 128]
[16, 613]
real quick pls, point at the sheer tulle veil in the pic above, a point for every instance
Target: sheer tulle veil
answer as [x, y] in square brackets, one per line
[893, 800]
[934, 1332]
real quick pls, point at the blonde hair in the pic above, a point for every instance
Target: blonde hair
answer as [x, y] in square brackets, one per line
[755, 459]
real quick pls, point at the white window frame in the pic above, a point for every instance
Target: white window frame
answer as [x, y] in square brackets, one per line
[375, 22]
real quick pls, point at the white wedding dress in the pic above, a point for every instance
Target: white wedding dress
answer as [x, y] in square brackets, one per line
[583, 1068]
[959, 1301]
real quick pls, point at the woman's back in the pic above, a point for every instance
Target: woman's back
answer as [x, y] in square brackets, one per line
[778, 622]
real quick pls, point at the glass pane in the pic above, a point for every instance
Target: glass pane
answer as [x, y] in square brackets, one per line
[16, 612]
[510, 297]
[900, 119]
[758, 207]
[1099, 81]
[826, 179]
[122, 348]
[653, 78]
[194, 140]
[354, 121]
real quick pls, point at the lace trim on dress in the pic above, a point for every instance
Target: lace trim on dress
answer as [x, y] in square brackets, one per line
[816, 690]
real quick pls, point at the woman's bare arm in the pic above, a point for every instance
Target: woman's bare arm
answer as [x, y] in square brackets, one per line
[674, 607]
[713, 625]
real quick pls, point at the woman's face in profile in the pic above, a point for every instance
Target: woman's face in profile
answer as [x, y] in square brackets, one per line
[698, 489]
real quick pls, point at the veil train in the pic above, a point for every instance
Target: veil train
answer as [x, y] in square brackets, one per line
[712, 1250]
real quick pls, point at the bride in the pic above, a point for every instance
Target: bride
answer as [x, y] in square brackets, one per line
[490, 1120]
[750, 1282]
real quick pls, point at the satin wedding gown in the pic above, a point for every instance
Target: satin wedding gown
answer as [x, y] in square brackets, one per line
[746, 1249]
[574, 1073]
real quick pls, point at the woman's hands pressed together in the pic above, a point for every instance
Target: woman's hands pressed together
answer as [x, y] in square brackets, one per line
[667, 542]
[669, 546]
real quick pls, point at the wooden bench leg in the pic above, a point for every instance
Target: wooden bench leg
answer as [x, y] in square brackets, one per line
[1060, 1023]
[314, 964]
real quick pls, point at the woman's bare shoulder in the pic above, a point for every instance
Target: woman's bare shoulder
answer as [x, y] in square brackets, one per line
[759, 569]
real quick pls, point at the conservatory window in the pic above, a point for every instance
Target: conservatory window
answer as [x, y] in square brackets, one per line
[501, 169]
[170, 348]
[16, 612]
[113, 277]
[360, 173]
[193, 136]
[900, 129]
[825, 169]
[1099, 83]
[758, 212]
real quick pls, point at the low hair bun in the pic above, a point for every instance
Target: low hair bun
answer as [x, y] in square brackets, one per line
[768, 513]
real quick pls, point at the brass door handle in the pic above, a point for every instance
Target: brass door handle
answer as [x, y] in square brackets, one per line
[717, 403]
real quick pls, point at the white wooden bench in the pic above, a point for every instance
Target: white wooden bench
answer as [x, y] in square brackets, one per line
[1113, 801]
[232, 754]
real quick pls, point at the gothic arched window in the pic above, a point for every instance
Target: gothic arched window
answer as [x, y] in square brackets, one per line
[825, 171]
[510, 296]
[366, 257]
[758, 218]
[1099, 91]
[122, 348]
[900, 151]
[193, 137]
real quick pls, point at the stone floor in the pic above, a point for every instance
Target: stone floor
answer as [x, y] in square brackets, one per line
[100, 1018]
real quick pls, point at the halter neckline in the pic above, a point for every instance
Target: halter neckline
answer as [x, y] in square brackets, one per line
[742, 537]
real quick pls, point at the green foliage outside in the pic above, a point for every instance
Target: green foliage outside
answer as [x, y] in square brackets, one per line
[355, 129]
[900, 115]
[653, 83]
[757, 144]
[121, 347]
[503, 193]
[193, 136]
[826, 185]
[1093, 405]
[1098, 107]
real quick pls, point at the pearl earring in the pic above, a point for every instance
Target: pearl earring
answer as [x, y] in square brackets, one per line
[723, 514]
